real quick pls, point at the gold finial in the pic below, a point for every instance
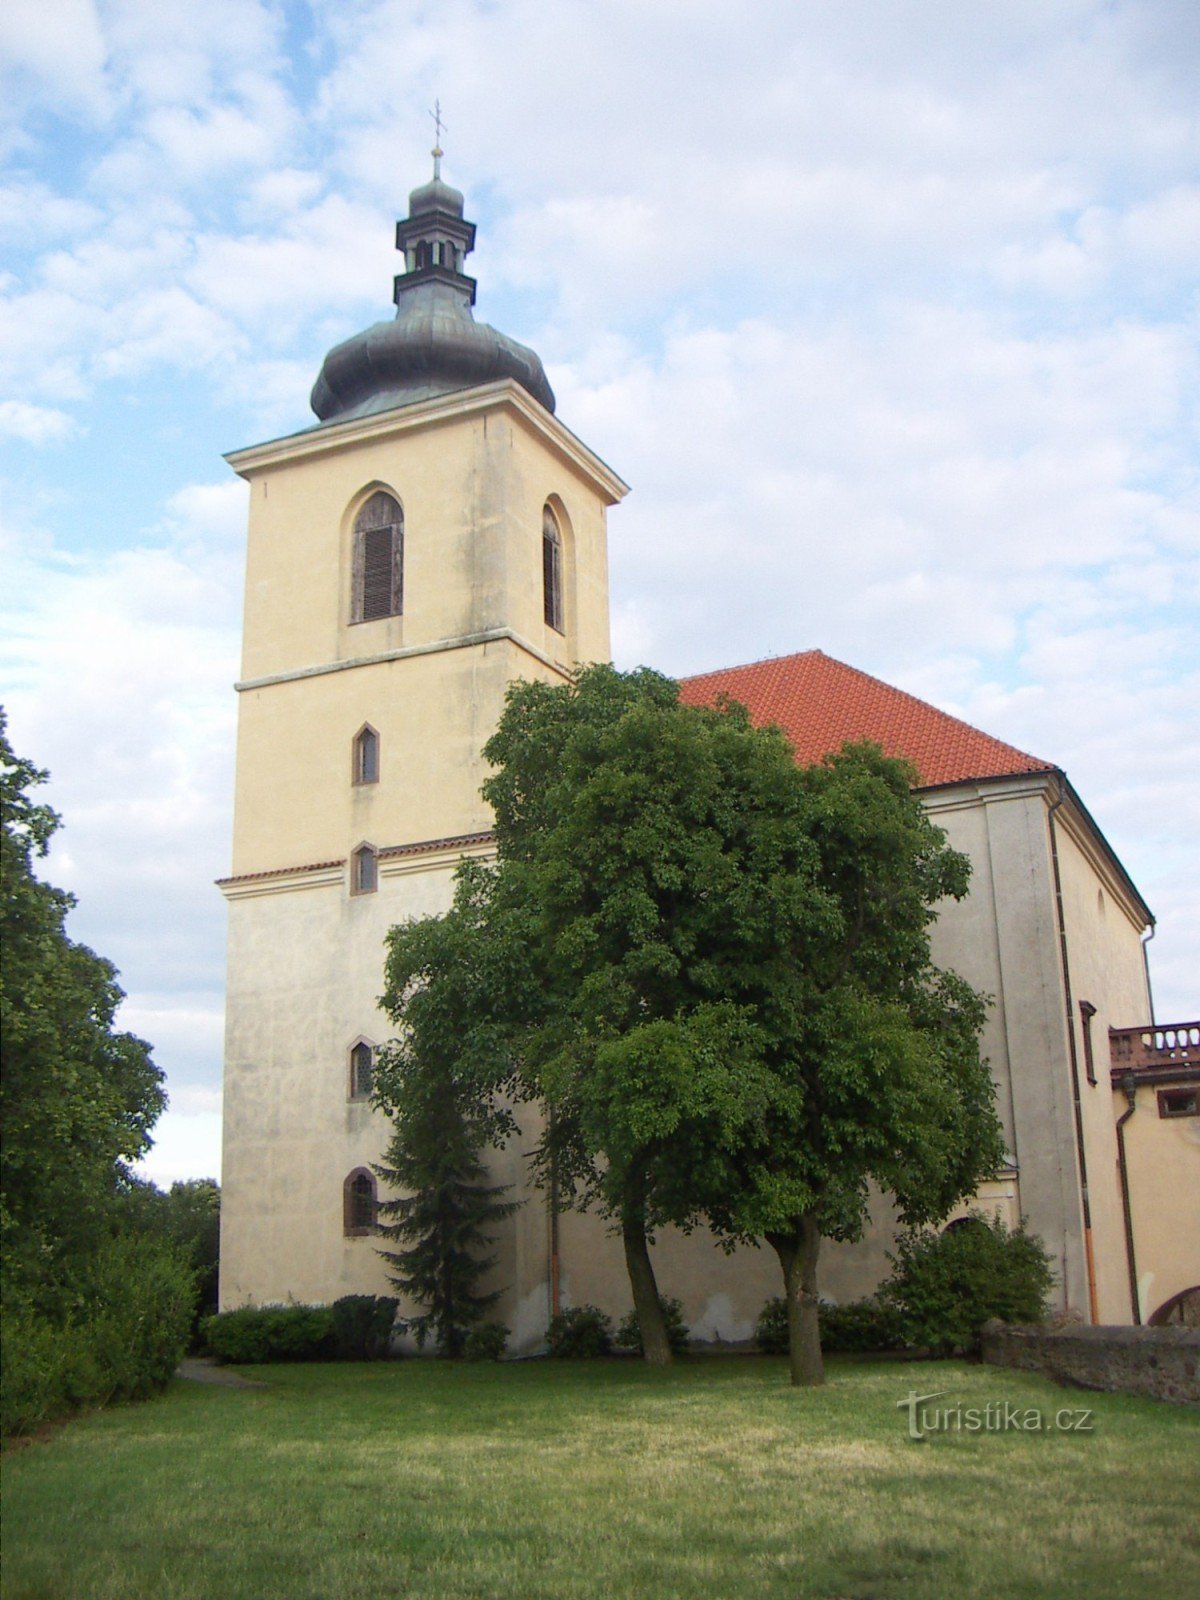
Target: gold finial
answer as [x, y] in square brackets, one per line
[437, 151]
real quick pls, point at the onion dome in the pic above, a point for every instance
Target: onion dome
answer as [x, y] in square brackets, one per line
[434, 346]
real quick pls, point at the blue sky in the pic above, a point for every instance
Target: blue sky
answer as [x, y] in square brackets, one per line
[886, 309]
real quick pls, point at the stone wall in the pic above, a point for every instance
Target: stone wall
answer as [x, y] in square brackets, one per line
[1163, 1363]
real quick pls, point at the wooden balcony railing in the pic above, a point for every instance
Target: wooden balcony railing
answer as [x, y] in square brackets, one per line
[1173, 1044]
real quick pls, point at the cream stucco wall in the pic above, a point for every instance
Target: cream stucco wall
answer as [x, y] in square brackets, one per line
[1163, 1162]
[473, 472]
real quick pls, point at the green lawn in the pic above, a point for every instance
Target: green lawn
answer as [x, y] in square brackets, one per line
[564, 1480]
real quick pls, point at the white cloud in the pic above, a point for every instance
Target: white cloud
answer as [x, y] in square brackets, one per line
[188, 55]
[33, 213]
[34, 424]
[186, 1145]
[895, 346]
[119, 673]
[55, 55]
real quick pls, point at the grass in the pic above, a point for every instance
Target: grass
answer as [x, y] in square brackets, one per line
[559, 1481]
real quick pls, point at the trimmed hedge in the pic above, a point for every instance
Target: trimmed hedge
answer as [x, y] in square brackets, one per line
[358, 1327]
[859, 1326]
[271, 1333]
[362, 1326]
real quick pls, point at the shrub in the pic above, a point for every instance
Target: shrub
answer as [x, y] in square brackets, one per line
[946, 1286]
[271, 1333]
[122, 1338]
[629, 1335]
[486, 1342]
[579, 1333]
[32, 1385]
[140, 1294]
[771, 1329]
[362, 1326]
[860, 1325]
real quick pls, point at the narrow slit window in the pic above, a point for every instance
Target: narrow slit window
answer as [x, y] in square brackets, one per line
[1086, 1012]
[364, 870]
[379, 559]
[366, 756]
[552, 585]
[362, 1067]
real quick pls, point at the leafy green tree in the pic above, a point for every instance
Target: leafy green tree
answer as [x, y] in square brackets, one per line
[95, 1308]
[713, 969]
[187, 1215]
[78, 1098]
[875, 1051]
[656, 851]
[444, 1219]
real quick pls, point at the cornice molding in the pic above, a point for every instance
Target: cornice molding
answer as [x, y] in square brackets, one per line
[466, 641]
[504, 395]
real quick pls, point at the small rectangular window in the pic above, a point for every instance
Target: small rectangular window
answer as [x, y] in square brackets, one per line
[1179, 1102]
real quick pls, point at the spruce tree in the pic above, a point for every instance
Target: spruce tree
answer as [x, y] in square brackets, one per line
[443, 1222]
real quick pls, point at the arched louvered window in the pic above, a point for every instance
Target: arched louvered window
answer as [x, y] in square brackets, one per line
[364, 870]
[379, 559]
[366, 755]
[359, 1203]
[362, 1064]
[552, 585]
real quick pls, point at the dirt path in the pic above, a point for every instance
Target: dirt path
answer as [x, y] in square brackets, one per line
[203, 1369]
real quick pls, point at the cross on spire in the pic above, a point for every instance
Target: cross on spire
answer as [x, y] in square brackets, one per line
[438, 125]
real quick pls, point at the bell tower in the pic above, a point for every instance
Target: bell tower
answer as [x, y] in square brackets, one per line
[438, 534]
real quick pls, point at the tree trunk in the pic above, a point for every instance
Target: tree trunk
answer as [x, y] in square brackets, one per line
[797, 1252]
[641, 1278]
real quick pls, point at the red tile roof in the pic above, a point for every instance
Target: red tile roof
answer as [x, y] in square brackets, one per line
[820, 703]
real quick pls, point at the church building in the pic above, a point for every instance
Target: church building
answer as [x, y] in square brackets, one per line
[440, 533]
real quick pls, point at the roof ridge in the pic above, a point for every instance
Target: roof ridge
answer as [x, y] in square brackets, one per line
[928, 705]
[762, 661]
[888, 688]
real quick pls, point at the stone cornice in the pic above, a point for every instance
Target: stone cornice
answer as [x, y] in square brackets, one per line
[505, 394]
[465, 641]
[1073, 816]
[397, 860]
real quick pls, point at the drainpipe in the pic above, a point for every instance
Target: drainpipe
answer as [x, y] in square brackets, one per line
[555, 1296]
[1146, 968]
[1089, 1254]
[1129, 1085]
[552, 1231]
